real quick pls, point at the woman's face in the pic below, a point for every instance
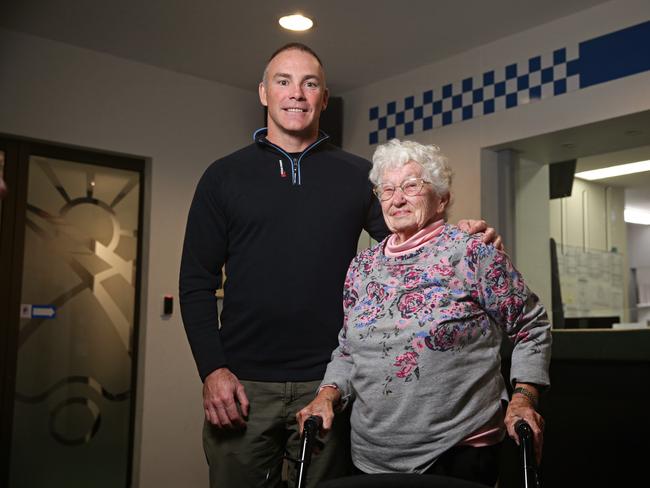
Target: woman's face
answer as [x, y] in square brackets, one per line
[404, 214]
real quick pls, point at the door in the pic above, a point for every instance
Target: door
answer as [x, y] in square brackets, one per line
[70, 326]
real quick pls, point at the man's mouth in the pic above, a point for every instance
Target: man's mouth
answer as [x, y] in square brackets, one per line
[295, 109]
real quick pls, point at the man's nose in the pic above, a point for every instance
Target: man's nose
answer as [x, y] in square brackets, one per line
[297, 91]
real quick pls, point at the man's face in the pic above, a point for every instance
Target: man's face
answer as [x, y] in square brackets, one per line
[295, 94]
[3, 188]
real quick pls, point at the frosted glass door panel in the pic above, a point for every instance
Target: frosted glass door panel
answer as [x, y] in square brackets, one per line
[72, 409]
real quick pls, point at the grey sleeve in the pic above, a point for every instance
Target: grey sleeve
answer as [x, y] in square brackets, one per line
[518, 311]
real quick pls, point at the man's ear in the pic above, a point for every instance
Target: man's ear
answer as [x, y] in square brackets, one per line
[261, 89]
[326, 98]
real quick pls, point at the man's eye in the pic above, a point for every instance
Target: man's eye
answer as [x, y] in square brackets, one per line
[311, 84]
[283, 82]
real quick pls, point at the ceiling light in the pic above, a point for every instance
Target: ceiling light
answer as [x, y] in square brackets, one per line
[636, 216]
[611, 171]
[296, 22]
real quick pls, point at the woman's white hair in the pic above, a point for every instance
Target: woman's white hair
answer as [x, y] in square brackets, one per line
[395, 154]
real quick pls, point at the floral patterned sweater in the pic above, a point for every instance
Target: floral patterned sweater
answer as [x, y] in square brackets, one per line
[419, 349]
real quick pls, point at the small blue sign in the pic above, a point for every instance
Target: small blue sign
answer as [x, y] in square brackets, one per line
[43, 311]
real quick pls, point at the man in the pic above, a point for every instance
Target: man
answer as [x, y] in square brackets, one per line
[284, 214]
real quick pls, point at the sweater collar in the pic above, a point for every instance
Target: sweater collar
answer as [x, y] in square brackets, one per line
[417, 240]
[259, 136]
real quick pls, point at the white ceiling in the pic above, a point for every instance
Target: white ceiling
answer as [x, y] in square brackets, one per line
[359, 41]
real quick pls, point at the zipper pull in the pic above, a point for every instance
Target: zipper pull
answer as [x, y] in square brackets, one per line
[295, 171]
[283, 173]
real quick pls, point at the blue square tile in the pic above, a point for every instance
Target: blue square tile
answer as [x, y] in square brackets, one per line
[522, 82]
[488, 106]
[572, 67]
[399, 118]
[534, 64]
[373, 138]
[437, 107]
[467, 85]
[488, 78]
[511, 71]
[535, 92]
[409, 102]
[468, 112]
[457, 101]
[559, 56]
[427, 123]
[446, 91]
[511, 100]
[390, 133]
[381, 124]
[477, 95]
[547, 75]
[408, 128]
[559, 87]
[427, 96]
[500, 89]
[374, 113]
[417, 113]
[446, 118]
[391, 108]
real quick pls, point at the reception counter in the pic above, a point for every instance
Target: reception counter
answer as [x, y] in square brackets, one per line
[597, 410]
[602, 344]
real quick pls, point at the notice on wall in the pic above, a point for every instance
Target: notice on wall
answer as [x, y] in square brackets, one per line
[591, 281]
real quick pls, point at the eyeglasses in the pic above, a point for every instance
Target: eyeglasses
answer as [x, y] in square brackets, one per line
[410, 187]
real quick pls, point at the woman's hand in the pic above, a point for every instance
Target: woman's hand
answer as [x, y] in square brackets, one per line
[522, 406]
[323, 406]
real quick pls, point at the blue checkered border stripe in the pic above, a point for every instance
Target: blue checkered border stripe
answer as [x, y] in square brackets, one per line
[521, 83]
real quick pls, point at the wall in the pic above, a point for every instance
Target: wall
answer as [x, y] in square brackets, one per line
[402, 96]
[55, 92]
[639, 258]
[531, 221]
[639, 242]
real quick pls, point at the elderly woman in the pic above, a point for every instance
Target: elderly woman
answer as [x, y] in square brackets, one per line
[418, 355]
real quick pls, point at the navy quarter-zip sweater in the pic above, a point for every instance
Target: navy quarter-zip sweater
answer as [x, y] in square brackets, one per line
[286, 227]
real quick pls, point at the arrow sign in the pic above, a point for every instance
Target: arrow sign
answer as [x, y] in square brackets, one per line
[43, 311]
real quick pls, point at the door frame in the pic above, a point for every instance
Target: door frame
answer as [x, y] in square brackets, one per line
[12, 239]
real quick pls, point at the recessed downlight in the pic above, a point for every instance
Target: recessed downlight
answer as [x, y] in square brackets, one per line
[296, 22]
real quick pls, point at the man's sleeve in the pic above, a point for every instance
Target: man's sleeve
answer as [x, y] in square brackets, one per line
[204, 251]
[375, 224]
[339, 369]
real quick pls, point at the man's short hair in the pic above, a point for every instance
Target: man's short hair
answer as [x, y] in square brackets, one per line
[299, 46]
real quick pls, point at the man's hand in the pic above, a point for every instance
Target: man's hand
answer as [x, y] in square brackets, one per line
[490, 235]
[224, 400]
